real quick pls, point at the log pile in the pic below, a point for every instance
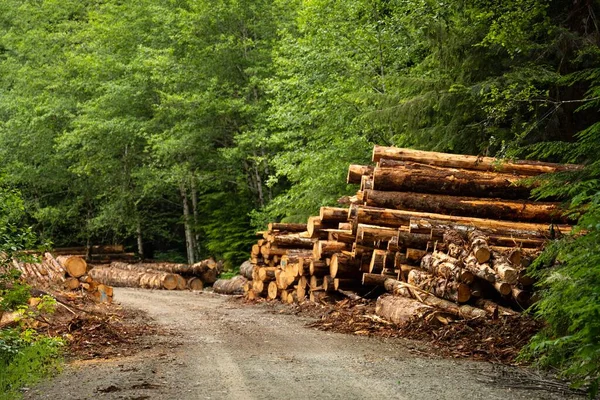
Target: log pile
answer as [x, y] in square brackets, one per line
[453, 232]
[70, 272]
[98, 254]
[159, 275]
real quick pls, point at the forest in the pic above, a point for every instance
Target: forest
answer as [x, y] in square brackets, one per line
[179, 128]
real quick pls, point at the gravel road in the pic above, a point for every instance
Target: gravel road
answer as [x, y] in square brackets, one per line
[216, 348]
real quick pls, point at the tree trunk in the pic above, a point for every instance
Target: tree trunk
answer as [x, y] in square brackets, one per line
[233, 286]
[189, 238]
[140, 241]
[399, 310]
[511, 210]
[469, 162]
[451, 182]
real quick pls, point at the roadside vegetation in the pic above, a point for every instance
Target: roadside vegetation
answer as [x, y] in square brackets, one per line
[180, 127]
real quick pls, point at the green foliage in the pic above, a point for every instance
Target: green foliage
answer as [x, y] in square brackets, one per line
[25, 358]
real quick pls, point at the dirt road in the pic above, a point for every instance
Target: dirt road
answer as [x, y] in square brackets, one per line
[216, 348]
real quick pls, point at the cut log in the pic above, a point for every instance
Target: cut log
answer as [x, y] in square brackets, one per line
[75, 266]
[343, 266]
[356, 172]
[414, 256]
[195, 284]
[441, 222]
[406, 290]
[399, 310]
[246, 269]
[502, 287]
[479, 246]
[134, 278]
[477, 163]
[286, 227]
[454, 182]
[272, 291]
[482, 271]
[318, 268]
[291, 241]
[442, 265]
[489, 227]
[366, 234]
[440, 287]
[511, 210]
[315, 225]
[373, 279]
[333, 214]
[233, 286]
[324, 248]
[328, 284]
[505, 270]
[71, 283]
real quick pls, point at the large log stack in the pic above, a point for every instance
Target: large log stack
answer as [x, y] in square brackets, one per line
[452, 231]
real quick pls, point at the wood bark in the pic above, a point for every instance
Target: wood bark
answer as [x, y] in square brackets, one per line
[333, 214]
[511, 210]
[233, 286]
[324, 248]
[449, 290]
[287, 227]
[505, 270]
[477, 163]
[479, 246]
[366, 234]
[343, 266]
[399, 310]
[451, 182]
[134, 278]
[442, 265]
[246, 269]
[414, 256]
[319, 268]
[406, 290]
[189, 237]
[355, 173]
[291, 241]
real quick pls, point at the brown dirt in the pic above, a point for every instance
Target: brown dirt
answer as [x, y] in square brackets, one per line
[212, 347]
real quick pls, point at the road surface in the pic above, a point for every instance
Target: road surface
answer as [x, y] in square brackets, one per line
[216, 348]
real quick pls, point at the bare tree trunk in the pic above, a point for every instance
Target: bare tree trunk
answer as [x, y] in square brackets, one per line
[195, 212]
[261, 198]
[140, 242]
[267, 173]
[189, 238]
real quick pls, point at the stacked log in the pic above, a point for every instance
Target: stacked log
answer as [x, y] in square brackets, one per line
[453, 232]
[70, 272]
[159, 275]
[98, 254]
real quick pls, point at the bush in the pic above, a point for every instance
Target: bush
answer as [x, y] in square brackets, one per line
[25, 358]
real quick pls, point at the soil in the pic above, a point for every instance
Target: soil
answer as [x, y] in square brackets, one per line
[207, 346]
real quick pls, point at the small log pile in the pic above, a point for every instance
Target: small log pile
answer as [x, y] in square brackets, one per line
[98, 254]
[71, 272]
[453, 232]
[159, 275]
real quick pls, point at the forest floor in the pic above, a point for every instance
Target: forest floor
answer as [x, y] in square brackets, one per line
[206, 346]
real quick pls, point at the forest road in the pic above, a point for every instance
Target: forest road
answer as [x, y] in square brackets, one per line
[218, 348]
